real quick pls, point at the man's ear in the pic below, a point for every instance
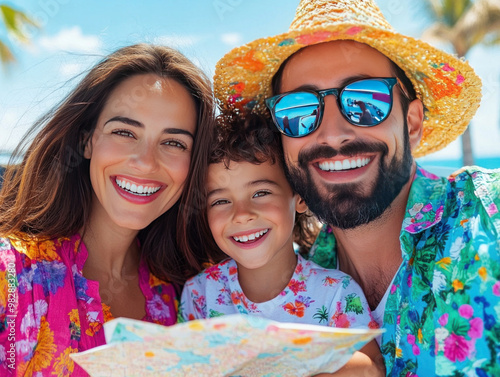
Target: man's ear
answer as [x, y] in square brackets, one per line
[300, 204]
[415, 121]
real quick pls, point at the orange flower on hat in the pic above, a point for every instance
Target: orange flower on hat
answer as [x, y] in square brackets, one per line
[249, 62]
[239, 86]
[444, 86]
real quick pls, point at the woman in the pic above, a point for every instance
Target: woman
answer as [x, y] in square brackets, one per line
[91, 219]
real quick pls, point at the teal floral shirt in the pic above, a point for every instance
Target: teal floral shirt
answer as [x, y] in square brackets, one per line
[442, 316]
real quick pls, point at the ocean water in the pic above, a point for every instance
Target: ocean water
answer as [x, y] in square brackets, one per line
[445, 167]
[4, 158]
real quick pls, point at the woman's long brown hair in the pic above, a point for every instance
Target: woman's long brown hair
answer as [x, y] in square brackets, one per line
[49, 194]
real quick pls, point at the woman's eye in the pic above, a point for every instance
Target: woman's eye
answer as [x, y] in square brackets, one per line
[261, 193]
[123, 133]
[176, 144]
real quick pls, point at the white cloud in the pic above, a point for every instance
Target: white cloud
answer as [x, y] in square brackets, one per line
[177, 41]
[71, 40]
[231, 39]
[12, 127]
[71, 69]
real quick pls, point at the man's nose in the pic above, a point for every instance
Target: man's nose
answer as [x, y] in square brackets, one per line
[334, 129]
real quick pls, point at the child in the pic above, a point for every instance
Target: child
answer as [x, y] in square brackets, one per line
[251, 216]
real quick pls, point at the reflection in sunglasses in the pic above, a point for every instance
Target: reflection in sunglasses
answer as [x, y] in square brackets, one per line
[364, 103]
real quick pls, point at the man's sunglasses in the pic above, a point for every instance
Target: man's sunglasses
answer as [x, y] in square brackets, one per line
[363, 103]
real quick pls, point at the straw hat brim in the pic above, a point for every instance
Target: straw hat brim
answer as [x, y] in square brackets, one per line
[447, 86]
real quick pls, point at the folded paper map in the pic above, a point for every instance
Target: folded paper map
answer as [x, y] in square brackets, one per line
[232, 345]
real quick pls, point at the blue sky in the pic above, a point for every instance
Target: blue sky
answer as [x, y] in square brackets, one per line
[75, 34]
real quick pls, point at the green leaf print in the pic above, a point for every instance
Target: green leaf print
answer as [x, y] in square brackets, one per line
[353, 304]
[322, 314]
[214, 313]
[424, 262]
[459, 325]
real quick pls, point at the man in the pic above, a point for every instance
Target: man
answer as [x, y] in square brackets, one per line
[424, 249]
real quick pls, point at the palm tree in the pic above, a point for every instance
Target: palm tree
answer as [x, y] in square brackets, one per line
[464, 24]
[16, 24]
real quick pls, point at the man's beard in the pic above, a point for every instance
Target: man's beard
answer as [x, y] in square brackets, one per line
[344, 205]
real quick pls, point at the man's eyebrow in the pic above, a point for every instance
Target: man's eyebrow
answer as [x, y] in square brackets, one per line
[136, 123]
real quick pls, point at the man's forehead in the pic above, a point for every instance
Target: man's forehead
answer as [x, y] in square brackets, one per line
[334, 59]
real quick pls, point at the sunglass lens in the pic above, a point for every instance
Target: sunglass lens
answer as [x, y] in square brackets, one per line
[366, 102]
[297, 113]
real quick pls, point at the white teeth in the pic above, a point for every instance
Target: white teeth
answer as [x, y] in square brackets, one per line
[250, 237]
[344, 164]
[133, 189]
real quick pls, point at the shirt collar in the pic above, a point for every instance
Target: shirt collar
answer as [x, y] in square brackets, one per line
[424, 209]
[426, 201]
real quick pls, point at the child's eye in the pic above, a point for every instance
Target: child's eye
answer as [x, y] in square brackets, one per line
[261, 193]
[219, 202]
[124, 133]
[176, 144]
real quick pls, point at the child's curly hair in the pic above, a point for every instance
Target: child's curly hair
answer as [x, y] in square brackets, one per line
[254, 139]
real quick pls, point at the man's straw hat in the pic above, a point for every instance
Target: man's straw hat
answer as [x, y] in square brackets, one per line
[448, 87]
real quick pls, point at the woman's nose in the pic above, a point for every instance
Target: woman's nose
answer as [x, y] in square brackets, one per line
[145, 158]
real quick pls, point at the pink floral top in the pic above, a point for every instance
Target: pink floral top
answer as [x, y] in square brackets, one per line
[48, 310]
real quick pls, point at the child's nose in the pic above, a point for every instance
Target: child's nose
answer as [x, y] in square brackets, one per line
[243, 213]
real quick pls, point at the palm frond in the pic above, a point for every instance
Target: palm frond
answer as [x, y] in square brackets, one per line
[16, 22]
[6, 55]
[480, 24]
[447, 12]
[437, 33]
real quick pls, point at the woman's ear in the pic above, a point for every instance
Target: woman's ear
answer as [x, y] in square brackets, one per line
[300, 204]
[87, 146]
[415, 121]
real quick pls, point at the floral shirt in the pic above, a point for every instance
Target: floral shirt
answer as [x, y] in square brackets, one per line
[48, 310]
[442, 316]
[314, 295]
